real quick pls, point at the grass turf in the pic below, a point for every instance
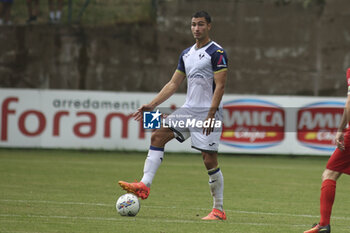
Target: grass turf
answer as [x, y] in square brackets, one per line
[75, 191]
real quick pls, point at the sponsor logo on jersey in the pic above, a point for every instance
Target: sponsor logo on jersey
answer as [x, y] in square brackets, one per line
[317, 124]
[222, 61]
[252, 124]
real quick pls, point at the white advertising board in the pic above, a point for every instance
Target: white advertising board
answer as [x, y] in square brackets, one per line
[281, 124]
[102, 120]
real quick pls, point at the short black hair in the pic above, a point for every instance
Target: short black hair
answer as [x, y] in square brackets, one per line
[202, 14]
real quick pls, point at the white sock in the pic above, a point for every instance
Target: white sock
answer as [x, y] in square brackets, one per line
[216, 184]
[152, 163]
[52, 15]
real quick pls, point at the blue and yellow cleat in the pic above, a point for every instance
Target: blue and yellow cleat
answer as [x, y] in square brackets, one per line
[316, 228]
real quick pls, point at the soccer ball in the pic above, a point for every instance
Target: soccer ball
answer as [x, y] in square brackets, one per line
[128, 205]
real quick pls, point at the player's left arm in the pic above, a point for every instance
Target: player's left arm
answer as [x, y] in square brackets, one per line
[220, 81]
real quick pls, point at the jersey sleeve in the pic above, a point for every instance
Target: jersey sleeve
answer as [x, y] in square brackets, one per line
[219, 60]
[181, 65]
[348, 79]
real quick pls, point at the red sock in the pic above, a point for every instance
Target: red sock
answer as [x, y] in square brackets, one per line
[327, 200]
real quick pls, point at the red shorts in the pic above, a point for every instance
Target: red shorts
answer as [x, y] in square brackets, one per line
[340, 159]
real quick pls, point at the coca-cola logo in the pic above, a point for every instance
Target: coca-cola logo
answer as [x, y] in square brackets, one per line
[317, 124]
[252, 124]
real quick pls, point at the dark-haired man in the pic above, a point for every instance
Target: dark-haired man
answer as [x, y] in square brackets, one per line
[205, 66]
[338, 164]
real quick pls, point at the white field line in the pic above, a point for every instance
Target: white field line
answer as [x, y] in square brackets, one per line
[132, 219]
[55, 202]
[170, 207]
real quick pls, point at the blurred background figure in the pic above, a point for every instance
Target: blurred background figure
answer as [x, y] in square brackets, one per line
[55, 10]
[33, 10]
[5, 12]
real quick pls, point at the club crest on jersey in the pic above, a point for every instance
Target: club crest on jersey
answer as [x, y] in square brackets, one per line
[317, 124]
[201, 56]
[252, 124]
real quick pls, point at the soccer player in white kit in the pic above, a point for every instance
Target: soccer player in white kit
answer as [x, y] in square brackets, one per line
[205, 66]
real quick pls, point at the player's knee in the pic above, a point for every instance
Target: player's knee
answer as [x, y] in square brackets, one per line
[155, 138]
[160, 138]
[330, 175]
[324, 176]
[210, 160]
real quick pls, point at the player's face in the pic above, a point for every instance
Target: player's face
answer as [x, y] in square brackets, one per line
[200, 28]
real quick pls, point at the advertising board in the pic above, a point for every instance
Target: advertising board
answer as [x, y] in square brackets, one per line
[103, 120]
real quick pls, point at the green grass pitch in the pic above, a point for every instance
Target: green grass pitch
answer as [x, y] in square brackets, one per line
[75, 191]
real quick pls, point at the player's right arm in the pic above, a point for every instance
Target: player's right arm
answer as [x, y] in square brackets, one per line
[347, 104]
[339, 138]
[168, 90]
[346, 113]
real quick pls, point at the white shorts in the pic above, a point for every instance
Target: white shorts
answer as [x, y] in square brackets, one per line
[189, 117]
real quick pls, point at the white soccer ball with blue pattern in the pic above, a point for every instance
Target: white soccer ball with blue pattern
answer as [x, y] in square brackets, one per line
[128, 205]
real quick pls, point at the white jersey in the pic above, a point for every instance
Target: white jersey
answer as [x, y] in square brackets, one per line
[199, 66]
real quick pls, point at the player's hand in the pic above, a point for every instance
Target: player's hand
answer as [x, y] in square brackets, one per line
[207, 130]
[339, 140]
[138, 115]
